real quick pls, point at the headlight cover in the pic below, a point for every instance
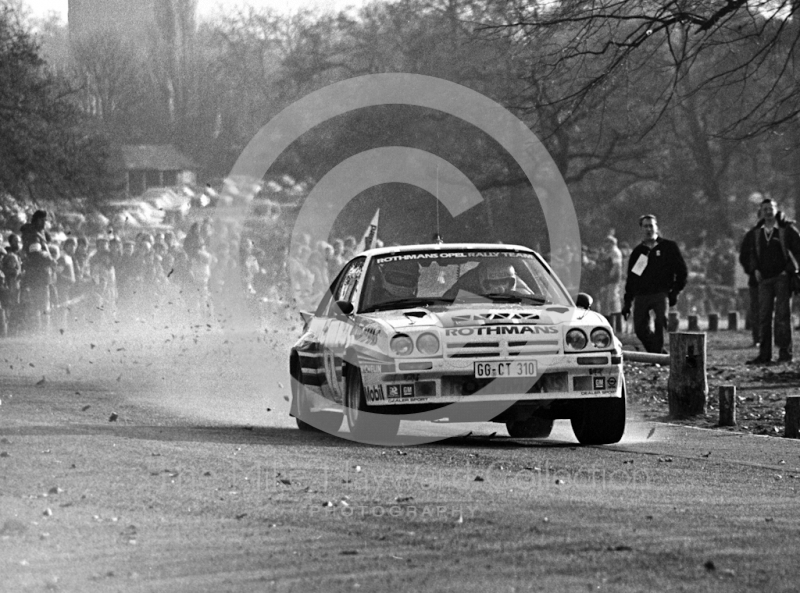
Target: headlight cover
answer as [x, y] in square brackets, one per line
[428, 343]
[401, 345]
[601, 338]
[576, 339]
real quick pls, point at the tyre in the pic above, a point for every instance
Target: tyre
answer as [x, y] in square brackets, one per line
[365, 424]
[313, 421]
[600, 421]
[534, 427]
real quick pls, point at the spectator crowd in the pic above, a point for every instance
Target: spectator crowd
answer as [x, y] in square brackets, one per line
[52, 277]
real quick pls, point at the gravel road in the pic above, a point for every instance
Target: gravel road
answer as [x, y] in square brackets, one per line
[161, 458]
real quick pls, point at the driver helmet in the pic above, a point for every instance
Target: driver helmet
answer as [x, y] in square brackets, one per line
[400, 279]
[499, 276]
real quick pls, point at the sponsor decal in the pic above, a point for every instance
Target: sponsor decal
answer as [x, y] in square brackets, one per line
[370, 368]
[462, 319]
[502, 330]
[407, 390]
[456, 254]
[375, 393]
[363, 331]
[393, 391]
[612, 382]
[600, 383]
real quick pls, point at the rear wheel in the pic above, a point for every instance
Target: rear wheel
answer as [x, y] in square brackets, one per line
[534, 427]
[363, 423]
[600, 421]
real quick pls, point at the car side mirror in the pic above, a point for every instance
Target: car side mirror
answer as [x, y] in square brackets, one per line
[584, 301]
[344, 307]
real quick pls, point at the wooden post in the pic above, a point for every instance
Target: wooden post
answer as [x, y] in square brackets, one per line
[687, 388]
[693, 326]
[616, 322]
[673, 322]
[733, 321]
[727, 405]
[792, 420]
[713, 322]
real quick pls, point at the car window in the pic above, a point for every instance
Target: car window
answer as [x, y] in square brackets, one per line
[448, 276]
[343, 288]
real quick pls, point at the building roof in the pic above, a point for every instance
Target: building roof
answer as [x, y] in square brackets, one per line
[155, 157]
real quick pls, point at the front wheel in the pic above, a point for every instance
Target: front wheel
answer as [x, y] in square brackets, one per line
[313, 421]
[366, 425]
[600, 421]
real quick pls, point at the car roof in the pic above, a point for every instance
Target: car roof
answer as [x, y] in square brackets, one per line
[445, 247]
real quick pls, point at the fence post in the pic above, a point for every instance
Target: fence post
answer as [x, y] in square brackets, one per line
[792, 419]
[687, 388]
[616, 322]
[693, 326]
[713, 322]
[673, 322]
[733, 320]
[727, 405]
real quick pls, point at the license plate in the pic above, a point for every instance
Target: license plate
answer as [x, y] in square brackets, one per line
[514, 368]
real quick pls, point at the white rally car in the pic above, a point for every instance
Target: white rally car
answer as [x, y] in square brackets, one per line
[458, 333]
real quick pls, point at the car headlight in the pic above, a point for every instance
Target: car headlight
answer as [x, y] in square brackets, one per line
[428, 343]
[401, 345]
[576, 339]
[601, 338]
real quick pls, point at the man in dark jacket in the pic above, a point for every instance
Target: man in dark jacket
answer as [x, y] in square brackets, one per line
[774, 249]
[746, 260]
[656, 275]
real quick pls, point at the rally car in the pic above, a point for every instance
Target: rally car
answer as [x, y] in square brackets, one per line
[458, 333]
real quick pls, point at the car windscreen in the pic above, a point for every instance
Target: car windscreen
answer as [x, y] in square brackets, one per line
[444, 277]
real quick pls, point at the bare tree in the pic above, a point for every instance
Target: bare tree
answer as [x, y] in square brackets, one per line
[752, 44]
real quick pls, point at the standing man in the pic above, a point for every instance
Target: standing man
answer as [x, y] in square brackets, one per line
[656, 275]
[774, 251]
[746, 259]
[612, 274]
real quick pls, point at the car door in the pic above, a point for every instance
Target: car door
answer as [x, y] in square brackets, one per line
[339, 328]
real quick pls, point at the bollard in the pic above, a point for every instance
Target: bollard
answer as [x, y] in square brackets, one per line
[733, 321]
[693, 326]
[687, 388]
[673, 322]
[792, 420]
[713, 322]
[727, 405]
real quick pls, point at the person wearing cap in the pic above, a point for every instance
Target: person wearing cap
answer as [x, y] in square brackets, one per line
[773, 252]
[656, 275]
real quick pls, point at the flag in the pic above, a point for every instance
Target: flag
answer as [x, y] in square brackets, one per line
[370, 235]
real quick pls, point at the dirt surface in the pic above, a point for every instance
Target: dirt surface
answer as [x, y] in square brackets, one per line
[760, 390]
[161, 458]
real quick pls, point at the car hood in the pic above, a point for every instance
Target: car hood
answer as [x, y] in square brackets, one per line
[471, 316]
